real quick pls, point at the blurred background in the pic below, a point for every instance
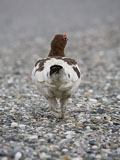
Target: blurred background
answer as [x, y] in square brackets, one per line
[25, 19]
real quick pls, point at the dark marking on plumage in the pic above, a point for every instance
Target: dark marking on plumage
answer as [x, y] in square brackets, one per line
[70, 61]
[77, 71]
[69, 75]
[41, 63]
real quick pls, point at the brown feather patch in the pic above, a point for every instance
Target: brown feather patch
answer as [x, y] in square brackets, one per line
[70, 61]
[56, 57]
[77, 71]
[41, 64]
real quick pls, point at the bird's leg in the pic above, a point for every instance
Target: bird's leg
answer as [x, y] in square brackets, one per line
[52, 103]
[63, 104]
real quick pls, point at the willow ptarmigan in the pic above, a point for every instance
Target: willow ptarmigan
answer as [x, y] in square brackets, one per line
[57, 76]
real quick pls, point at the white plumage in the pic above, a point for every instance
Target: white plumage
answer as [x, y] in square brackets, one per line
[57, 77]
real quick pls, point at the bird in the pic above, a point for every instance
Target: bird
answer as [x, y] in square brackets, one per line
[57, 76]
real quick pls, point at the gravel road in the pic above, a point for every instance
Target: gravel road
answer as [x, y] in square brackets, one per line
[91, 129]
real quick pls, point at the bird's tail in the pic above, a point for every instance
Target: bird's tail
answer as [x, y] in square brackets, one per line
[55, 69]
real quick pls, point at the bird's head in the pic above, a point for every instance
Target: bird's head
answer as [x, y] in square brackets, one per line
[59, 41]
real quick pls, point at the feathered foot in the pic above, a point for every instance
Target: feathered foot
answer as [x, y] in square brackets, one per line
[52, 103]
[63, 104]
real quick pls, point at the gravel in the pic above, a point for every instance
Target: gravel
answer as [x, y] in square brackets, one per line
[29, 130]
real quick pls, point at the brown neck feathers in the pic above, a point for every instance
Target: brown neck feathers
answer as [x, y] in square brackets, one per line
[56, 52]
[57, 46]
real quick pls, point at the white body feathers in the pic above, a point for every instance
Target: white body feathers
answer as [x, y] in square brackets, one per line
[59, 85]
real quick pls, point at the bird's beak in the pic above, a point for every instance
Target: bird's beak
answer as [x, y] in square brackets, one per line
[66, 39]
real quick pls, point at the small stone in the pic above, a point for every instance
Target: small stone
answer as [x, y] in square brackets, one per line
[79, 124]
[41, 141]
[65, 150]
[93, 100]
[88, 128]
[79, 105]
[114, 130]
[32, 137]
[77, 158]
[70, 100]
[77, 143]
[22, 126]
[90, 151]
[55, 155]
[94, 147]
[105, 99]
[98, 117]
[18, 102]
[107, 117]
[69, 136]
[92, 142]
[107, 86]
[66, 141]
[90, 91]
[35, 95]
[43, 148]
[100, 111]
[89, 134]
[70, 132]
[48, 135]
[38, 129]
[44, 155]
[118, 150]
[118, 97]
[14, 124]
[18, 155]
[106, 151]
[98, 157]
[10, 81]
[66, 157]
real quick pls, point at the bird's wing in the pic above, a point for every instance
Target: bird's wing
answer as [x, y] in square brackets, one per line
[41, 70]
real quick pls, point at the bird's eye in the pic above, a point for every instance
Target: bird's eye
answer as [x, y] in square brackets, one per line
[65, 39]
[64, 36]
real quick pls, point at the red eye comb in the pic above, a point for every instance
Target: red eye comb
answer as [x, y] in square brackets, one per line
[64, 36]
